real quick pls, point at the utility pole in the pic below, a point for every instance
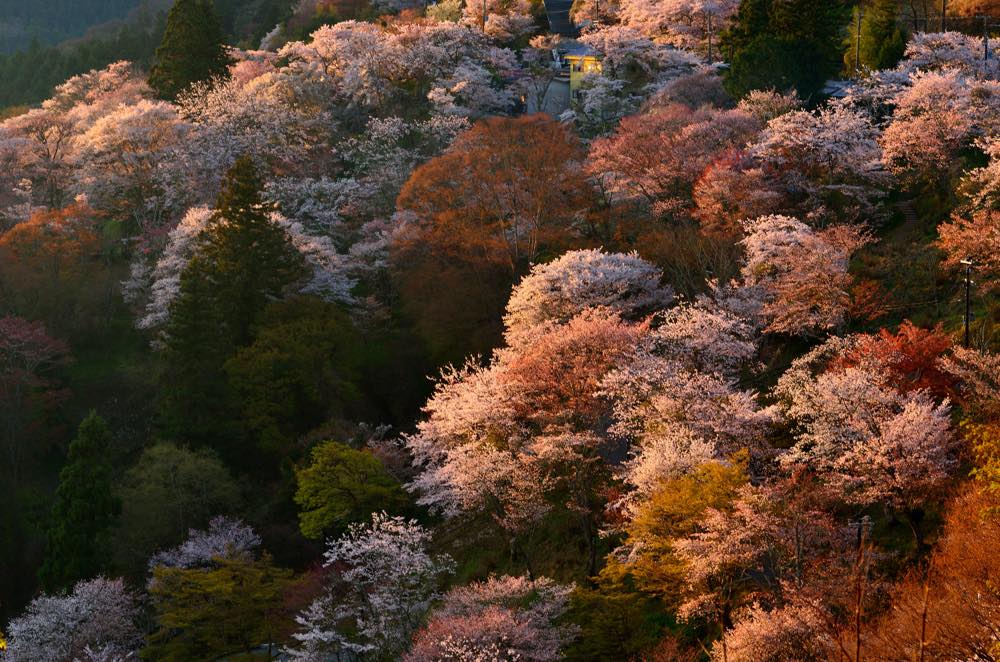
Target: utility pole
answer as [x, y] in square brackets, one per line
[860, 569]
[857, 42]
[710, 38]
[484, 16]
[986, 38]
[944, 9]
[968, 298]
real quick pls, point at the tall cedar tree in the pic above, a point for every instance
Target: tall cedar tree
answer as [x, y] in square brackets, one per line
[882, 40]
[193, 49]
[84, 509]
[785, 45]
[243, 261]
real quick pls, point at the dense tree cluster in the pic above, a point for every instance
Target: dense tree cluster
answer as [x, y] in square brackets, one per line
[696, 389]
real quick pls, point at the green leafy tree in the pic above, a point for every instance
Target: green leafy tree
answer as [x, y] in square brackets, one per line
[341, 485]
[207, 613]
[785, 44]
[84, 509]
[243, 261]
[673, 512]
[192, 49]
[300, 371]
[616, 622]
[882, 41]
[168, 491]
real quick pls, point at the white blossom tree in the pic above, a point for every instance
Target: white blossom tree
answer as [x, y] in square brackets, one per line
[98, 615]
[831, 157]
[557, 291]
[502, 618]
[873, 442]
[225, 538]
[116, 161]
[387, 582]
[802, 272]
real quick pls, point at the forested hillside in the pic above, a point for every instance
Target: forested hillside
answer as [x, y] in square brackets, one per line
[53, 21]
[32, 69]
[319, 342]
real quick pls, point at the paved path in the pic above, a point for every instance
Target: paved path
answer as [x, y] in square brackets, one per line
[559, 21]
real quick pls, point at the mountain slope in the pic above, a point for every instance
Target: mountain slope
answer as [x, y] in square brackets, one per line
[53, 21]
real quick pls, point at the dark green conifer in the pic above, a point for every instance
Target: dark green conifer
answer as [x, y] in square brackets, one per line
[85, 508]
[243, 261]
[882, 42]
[193, 49]
[785, 45]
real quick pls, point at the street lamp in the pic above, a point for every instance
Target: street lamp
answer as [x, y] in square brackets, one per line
[968, 297]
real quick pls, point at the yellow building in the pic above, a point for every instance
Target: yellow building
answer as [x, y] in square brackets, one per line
[581, 60]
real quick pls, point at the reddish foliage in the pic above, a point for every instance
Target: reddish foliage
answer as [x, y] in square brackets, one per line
[28, 355]
[954, 601]
[506, 189]
[910, 356]
[59, 237]
[868, 301]
[561, 372]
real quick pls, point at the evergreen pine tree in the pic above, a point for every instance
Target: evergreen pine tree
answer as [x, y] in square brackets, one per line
[192, 50]
[785, 45]
[243, 261]
[882, 39]
[85, 507]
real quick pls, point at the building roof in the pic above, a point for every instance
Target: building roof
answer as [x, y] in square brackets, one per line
[573, 48]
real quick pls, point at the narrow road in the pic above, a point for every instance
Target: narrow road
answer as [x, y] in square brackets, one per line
[559, 21]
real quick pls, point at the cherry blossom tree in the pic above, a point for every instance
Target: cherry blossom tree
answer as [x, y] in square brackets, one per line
[98, 615]
[600, 104]
[515, 615]
[933, 51]
[470, 91]
[359, 66]
[627, 54]
[230, 119]
[654, 158]
[686, 23]
[524, 434]
[225, 538]
[116, 161]
[982, 185]
[51, 130]
[975, 238]
[356, 59]
[506, 20]
[164, 280]
[803, 272]
[558, 291]
[792, 632]
[831, 158]
[386, 584]
[874, 442]
[767, 105]
[677, 399]
[383, 157]
[978, 374]
[940, 113]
